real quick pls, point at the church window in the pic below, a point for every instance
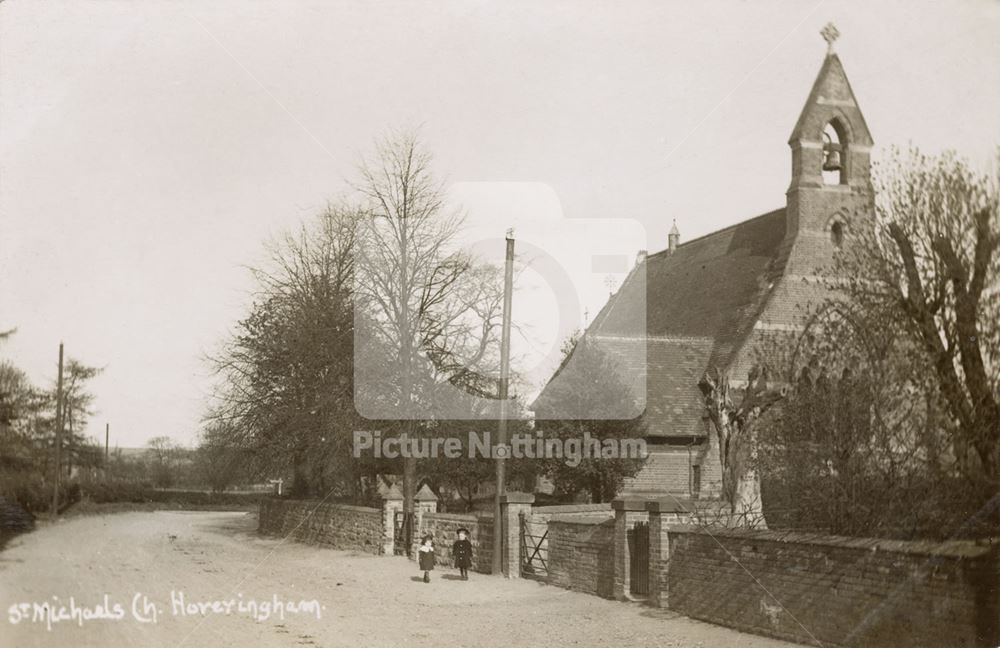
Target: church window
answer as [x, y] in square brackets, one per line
[837, 234]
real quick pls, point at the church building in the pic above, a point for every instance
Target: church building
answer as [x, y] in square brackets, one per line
[712, 302]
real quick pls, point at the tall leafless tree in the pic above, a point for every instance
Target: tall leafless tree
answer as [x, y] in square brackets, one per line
[931, 275]
[432, 307]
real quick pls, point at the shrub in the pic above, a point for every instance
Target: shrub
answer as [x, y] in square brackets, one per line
[34, 495]
[104, 492]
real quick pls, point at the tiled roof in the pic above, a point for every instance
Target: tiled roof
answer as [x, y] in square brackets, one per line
[700, 303]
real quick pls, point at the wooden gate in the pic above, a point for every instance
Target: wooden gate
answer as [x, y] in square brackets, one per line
[638, 540]
[534, 552]
[402, 537]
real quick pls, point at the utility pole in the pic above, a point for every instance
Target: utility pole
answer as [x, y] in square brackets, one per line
[501, 486]
[59, 423]
[107, 435]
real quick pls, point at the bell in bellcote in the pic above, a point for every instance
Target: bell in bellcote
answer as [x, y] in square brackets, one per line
[831, 154]
[832, 160]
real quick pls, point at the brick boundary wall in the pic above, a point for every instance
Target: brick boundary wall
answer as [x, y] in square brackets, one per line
[340, 526]
[444, 528]
[537, 523]
[808, 588]
[839, 591]
[581, 554]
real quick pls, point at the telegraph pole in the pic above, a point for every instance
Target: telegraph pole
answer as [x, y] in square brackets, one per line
[107, 435]
[59, 424]
[501, 485]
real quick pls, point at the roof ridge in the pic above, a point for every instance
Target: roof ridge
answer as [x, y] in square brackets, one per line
[654, 338]
[720, 231]
[605, 312]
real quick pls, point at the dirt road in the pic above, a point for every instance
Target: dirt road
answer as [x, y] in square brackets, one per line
[206, 579]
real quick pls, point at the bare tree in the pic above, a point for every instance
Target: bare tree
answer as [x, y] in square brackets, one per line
[891, 429]
[218, 461]
[431, 307]
[735, 439]
[860, 446]
[163, 452]
[931, 275]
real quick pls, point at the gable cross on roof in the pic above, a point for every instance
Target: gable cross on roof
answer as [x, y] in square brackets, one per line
[830, 33]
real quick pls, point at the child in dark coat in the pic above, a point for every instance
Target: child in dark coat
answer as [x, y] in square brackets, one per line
[461, 552]
[426, 557]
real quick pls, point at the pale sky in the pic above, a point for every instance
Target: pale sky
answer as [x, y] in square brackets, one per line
[147, 149]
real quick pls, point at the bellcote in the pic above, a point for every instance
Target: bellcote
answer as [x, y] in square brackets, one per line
[831, 144]
[829, 199]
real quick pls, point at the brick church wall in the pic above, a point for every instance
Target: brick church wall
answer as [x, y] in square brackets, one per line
[666, 469]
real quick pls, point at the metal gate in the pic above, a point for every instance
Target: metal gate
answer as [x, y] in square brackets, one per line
[402, 537]
[638, 540]
[534, 552]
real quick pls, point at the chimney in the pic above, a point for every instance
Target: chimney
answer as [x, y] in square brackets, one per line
[674, 238]
[640, 257]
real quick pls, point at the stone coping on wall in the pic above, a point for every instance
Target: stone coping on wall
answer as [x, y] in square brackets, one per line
[559, 509]
[516, 497]
[631, 503]
[319, 503]
[642, 503]
[460, 517]
[579, 519]
[949, 548]
[670, 505]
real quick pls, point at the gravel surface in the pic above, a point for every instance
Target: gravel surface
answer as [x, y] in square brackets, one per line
[146, 561]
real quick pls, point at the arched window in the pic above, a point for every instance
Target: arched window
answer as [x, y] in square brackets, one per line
[834, 154]
[837, 234]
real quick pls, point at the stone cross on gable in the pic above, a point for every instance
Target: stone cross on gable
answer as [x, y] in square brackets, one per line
[830, 33]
